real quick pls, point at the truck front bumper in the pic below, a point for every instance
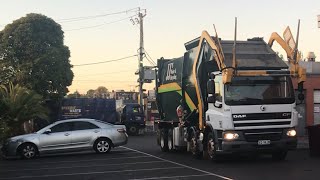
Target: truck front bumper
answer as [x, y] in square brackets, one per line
[244, 146]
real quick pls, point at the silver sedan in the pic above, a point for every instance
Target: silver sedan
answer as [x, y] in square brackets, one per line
[67, 135]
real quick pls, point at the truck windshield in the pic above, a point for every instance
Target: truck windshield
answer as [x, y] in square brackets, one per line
[259, 90]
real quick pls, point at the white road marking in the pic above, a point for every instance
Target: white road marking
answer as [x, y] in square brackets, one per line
[104, 159]
[90, 173]
[170, 177]
[189, 167]
[71, 167]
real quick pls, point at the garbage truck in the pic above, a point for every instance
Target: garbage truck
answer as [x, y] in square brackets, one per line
[104, 110]
[227, 97]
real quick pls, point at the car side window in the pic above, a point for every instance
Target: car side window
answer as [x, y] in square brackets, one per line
[80, 125]
[62, 127]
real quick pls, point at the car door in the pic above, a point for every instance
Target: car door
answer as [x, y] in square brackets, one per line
[58, 139]
[84, 133]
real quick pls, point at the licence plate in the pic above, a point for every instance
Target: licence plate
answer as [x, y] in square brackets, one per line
[264, 142]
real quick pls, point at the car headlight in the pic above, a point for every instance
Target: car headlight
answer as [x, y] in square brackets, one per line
[291, 133]
[230, 136]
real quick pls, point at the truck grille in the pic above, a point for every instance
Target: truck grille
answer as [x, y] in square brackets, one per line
[263, 134]
[256, 120]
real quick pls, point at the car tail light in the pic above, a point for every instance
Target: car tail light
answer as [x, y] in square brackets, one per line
[121, 130]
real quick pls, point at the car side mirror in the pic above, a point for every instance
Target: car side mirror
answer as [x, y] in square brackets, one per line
[48, 131]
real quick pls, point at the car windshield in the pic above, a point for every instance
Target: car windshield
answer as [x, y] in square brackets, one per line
[259, 90]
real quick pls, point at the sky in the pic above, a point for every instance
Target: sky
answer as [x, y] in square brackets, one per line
[168, 24]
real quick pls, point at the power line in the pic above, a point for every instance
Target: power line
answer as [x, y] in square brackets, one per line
[129, 70]
[108, 61]
[95, 16]
[150, 59]
[99, 25]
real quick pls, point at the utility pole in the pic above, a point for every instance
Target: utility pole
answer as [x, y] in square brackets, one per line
[141, 54]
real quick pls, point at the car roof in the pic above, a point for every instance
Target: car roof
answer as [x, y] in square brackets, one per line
[73, 120]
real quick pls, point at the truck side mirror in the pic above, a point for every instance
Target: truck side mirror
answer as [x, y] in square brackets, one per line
[211, 87]
[211, 99]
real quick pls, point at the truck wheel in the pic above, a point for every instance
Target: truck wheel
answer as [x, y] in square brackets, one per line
[164, 140]
[194, 148]
[170, 140]
[279, 155]
[211, 147]
[133, 130]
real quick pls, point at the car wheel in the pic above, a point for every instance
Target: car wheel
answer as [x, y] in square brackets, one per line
[28, 151]
[164, 140]
[102, 145]
[279, 155]
[170, 140]
[211, 147]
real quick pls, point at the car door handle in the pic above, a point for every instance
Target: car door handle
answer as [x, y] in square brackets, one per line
[96, 131]
[66, 134]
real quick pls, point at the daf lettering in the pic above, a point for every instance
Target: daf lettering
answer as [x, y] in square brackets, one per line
[238, 116]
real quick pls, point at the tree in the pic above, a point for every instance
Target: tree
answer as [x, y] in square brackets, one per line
[91, 93]
[76, 94]
[102, 92]
[19, 105]
[32, 54]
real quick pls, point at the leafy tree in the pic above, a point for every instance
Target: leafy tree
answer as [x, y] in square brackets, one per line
[102, 92]
[19, 105]
[32, 54]
[91, 93]
[76, 94]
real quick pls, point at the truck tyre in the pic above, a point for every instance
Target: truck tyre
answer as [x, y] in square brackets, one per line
[279, 155]
[164, 140]
[194, 148]
[133, 130]
[170, 140]
[211, 147]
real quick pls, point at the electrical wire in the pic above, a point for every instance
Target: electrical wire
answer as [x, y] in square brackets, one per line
[95, 16]
[104, 73]
[108, 61]
[148, 57]
[99, 25]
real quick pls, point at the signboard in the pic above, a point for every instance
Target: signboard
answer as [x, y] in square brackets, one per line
[149, 74]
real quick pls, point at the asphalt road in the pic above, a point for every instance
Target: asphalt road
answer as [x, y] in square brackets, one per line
[141, 158]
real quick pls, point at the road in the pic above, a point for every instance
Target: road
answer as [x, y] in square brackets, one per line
[141, 158]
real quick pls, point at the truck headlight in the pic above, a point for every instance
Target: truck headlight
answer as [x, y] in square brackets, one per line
[230, 136]
[291, 133]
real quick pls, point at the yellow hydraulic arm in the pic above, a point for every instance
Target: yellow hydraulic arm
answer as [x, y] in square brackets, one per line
[293, 55]
[227, 72]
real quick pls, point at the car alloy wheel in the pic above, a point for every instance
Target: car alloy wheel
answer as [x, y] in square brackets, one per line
[103, 146]
[28, 151]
